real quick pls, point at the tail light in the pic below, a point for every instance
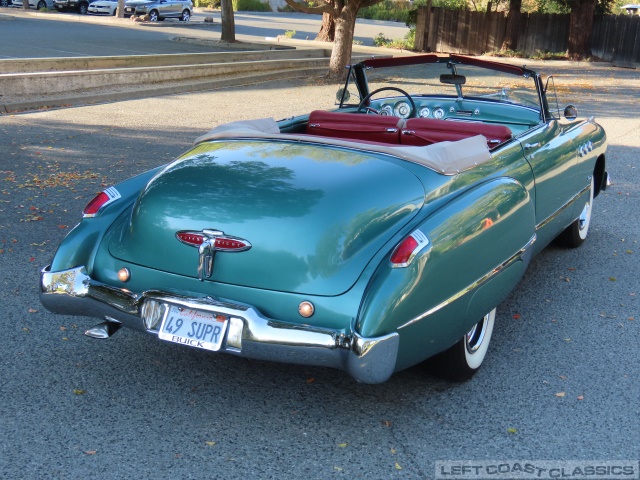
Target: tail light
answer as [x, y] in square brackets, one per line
[406, 251]
[104, 198]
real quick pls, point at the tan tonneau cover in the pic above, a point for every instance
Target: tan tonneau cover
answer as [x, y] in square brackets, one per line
[447, 158]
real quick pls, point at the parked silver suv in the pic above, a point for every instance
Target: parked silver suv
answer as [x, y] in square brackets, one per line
[160, 9]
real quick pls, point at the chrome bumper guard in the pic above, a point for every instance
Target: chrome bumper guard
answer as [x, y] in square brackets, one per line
[249, 334]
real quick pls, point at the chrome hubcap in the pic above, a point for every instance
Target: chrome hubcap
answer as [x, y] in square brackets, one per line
[475, 336]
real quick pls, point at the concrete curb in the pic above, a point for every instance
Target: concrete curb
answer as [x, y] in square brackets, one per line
[92, 98]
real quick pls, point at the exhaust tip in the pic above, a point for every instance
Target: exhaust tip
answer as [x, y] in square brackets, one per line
[103, 330]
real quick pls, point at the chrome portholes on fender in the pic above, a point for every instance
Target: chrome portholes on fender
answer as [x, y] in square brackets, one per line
[462, 360]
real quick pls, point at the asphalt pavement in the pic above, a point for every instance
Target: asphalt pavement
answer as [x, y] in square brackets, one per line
[561, 380]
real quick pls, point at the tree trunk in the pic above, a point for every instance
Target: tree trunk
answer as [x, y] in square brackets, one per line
[513, 26]
[227, 21]
[581, 28]
[25, 4]
[120, 10]
[343, 44]
[327, 31]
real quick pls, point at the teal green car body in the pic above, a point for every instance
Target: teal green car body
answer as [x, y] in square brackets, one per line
[323, 221]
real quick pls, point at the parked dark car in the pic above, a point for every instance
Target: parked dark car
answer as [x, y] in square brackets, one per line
[80, 6]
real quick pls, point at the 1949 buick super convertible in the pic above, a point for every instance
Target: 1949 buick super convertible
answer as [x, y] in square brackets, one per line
[369, 238]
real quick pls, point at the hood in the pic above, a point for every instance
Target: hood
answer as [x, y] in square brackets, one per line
[314, 215]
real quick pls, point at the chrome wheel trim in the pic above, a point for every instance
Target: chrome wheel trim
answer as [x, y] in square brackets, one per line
[186, 16]
[477, 340]
[153, 16]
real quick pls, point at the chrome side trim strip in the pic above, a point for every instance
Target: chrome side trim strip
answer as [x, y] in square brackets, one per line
[514, 258]
[553, 216]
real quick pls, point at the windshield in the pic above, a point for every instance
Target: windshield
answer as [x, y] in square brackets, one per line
[445, 79]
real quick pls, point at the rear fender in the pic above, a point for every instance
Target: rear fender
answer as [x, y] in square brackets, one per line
[477, 241]
[80, 245]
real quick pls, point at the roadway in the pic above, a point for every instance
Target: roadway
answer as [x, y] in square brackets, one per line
[32, 34]
[560, 381]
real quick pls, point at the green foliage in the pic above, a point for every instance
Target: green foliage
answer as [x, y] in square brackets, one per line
[290, 33]
[399, 11]
[603, 7]
[537, 55]
[251, 6]
[408, 43]
[207, 3]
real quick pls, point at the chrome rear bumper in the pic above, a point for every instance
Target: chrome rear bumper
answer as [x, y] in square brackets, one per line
[249, 334]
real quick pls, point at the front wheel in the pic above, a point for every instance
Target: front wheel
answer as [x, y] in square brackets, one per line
[153, 16]
[83, 8]
[186, 16]
[41, 4]
[462, 360]
[575, 234]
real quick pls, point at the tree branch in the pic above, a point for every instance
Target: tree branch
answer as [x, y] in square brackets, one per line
[319, 10]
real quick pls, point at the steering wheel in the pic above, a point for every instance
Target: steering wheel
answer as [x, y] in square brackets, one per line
[366, 99]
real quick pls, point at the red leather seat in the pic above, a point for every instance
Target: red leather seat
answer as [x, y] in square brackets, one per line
[355, 126]
[425, 131]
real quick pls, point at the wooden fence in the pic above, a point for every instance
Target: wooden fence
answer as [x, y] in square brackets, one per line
[615, 38]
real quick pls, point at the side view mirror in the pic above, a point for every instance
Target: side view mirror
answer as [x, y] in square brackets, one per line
[343, 95]
[570, 112]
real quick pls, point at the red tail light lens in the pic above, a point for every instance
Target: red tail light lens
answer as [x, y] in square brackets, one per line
[404, 253]
[99, 201]
[96, 204]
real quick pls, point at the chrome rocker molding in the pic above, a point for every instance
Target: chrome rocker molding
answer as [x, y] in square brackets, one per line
[249, 334]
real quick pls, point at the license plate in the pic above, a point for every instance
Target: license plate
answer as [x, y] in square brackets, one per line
[128, 10]
[195, 328]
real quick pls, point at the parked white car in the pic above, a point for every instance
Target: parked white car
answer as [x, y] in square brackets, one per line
[37, 4]
[106, 7]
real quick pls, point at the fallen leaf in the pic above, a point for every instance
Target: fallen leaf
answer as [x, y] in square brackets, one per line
[339, 469]
[393, 451]
[516, 316]
[32, 310]
[311, 380]
[387, 423]
[613, 279]
[342, 445]
[398, 467]
[560, 394]
[580, 397]
[91, 452]
[211, 444]
[512, 430]
[78, 391]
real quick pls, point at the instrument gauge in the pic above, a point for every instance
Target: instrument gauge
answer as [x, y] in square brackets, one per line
[424, 112]
[386, 110]
[402, 110]
[438, 113]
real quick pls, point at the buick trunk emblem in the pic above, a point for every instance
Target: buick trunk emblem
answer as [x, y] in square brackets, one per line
[208, 242]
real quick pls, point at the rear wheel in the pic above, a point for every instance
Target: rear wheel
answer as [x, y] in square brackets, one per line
[82, 8]
[153, 16]
[41, 4]
[4, 3]
[575, 234]
[186, 16]
[462, 360]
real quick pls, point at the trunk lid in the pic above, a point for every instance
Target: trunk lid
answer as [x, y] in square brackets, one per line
[314, 215]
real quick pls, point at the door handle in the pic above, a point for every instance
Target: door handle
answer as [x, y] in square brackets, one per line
[532, 145]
